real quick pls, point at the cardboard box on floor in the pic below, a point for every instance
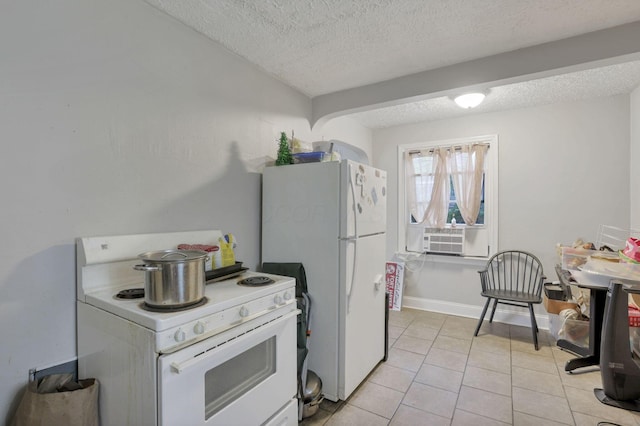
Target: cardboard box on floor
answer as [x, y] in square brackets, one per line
[555, 306]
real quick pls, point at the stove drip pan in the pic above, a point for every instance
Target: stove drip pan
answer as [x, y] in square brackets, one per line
[256, 281]
[170, 308]
[131, 293]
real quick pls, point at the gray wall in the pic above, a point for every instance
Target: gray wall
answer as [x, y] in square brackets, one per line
[635, 159]
[117, 119]
[563, 171]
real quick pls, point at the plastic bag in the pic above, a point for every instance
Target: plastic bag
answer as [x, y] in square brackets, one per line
[631, 251]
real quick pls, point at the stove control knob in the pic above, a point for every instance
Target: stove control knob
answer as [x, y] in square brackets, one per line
[244, 312]
[179, 335]
[287, 296]
[198, 328]
[278, 299]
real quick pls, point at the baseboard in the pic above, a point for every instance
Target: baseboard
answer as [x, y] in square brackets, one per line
[511, 316]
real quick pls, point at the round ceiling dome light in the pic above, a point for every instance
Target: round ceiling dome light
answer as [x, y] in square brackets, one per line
[469, 100]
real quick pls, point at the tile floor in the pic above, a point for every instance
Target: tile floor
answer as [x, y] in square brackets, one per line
[437, 373]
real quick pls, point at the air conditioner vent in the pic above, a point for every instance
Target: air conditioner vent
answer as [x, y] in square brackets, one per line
[446, 241]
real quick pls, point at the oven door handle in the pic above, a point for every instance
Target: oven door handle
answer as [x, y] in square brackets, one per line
[180, 367]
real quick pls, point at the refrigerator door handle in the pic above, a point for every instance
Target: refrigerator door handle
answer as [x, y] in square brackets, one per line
[377, 282]
[353, 238]
[353, 271]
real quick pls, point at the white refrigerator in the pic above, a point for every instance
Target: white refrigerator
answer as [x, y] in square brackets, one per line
[331, 217]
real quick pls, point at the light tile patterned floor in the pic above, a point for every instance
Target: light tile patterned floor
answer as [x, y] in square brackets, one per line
[437, 374]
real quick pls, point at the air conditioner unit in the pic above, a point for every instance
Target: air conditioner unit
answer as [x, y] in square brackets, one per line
[463, 241]
[433, 240]
[447, 240]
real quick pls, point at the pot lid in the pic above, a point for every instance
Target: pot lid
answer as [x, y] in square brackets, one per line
[172, 255]
[313, 387]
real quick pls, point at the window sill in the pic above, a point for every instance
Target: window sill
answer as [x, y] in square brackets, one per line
[439, 258]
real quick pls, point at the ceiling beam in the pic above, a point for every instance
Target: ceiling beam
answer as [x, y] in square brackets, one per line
[599, 48]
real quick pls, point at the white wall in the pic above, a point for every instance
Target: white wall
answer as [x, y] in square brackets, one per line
[634, 178]
[564, 170]
[115, 119]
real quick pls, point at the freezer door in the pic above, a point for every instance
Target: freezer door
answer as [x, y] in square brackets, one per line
[362, 311]
[363, 200]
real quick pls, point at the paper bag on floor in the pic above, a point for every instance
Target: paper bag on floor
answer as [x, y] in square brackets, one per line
[78, 407]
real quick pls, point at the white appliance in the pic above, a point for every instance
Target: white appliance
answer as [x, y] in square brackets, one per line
[331, 217]
[229, 360]
[426, 239]
[463, 241]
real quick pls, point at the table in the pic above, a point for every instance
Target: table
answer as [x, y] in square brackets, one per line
[588, 356]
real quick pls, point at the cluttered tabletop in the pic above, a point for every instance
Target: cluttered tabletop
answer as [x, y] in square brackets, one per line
[576, 303]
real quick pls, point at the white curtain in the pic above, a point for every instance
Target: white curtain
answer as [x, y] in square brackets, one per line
[428, 188]
[467, 168]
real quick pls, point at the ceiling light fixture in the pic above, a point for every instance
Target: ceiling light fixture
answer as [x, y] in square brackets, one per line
[469, 100]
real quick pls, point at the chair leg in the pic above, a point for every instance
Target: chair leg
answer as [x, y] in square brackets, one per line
[484, 311]
[534, 327]
[493, 310]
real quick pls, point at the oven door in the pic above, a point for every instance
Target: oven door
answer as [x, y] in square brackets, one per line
[242, 376]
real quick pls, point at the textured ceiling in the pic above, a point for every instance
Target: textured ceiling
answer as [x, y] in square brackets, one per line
[597, 82]
[325, 46]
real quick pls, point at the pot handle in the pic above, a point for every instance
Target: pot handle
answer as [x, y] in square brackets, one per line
[146, 268]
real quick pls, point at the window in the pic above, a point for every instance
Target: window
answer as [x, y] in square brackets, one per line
[227, 382]
[423, 181]
[443, 180]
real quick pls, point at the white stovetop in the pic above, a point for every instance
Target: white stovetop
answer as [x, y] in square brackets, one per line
[220, 295]
[105, 267]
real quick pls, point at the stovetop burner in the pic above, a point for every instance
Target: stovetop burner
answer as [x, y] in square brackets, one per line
[256, 281]
[131, 293]
[174, 308]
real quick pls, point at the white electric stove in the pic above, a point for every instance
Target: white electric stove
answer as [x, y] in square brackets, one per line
[228, 360]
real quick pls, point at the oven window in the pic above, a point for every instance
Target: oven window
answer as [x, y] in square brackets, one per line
[232, 379]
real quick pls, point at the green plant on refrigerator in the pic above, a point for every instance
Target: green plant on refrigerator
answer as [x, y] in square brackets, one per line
[284, 154]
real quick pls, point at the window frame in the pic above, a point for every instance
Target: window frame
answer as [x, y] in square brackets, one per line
[490, 226]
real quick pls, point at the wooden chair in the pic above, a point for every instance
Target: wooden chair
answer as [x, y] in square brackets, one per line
[512, 277]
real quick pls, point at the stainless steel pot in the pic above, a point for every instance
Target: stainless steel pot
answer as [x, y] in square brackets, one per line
[174, 278]
[313, 387]
[312, 395]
